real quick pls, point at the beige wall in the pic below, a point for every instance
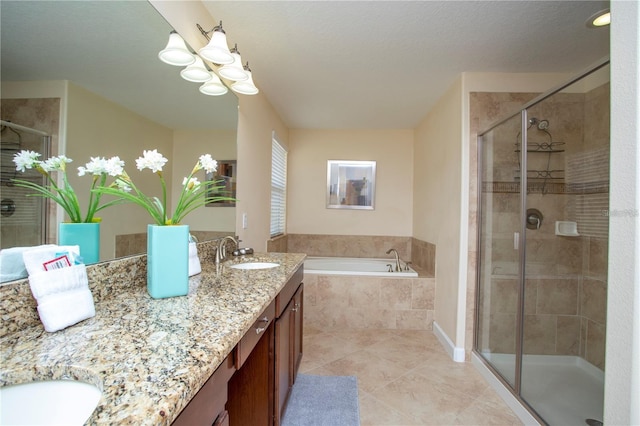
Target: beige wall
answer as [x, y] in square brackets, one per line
[437, 182]
[188, 146]
[98, 127]
[307, 181]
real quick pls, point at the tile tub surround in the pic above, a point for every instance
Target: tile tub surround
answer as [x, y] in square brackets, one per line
[421, 253]
[150, 357]
[371, 246]
[357, 302]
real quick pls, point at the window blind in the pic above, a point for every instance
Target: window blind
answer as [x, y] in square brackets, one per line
[278, 188]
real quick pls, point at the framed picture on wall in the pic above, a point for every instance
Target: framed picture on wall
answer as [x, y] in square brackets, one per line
[226, 175]
[351, 184]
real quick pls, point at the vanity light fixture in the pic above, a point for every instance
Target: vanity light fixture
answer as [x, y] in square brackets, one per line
[245, 87]
[196, 72]
[223, 63]
[599, 19]
[214, 86]
[216, 50]
[176, 52]
[234, 71]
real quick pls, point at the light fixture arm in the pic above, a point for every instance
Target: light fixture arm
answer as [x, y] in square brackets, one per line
[206, 33]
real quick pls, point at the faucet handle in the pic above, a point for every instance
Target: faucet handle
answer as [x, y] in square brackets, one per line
[406, 265]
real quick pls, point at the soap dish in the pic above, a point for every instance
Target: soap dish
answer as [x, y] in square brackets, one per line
[567, 228]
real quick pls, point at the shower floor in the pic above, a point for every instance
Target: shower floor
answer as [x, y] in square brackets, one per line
[563, 390]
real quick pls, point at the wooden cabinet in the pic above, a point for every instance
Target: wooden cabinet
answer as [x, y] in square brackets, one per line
[208, 406]
[288, 343]
[252, 386]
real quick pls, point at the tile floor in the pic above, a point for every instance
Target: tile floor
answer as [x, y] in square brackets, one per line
[405, 378]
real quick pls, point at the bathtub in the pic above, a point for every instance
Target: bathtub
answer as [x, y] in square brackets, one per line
[354, 266]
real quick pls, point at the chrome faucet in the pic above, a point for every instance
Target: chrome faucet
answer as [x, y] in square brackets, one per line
[221, 249]
[398, 267]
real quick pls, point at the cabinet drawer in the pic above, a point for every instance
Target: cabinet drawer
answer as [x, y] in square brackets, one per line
[287, 292]
[251, 337]
[208, 404]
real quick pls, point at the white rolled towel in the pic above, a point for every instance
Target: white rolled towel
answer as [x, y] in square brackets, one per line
[62, 294]
[194, 260]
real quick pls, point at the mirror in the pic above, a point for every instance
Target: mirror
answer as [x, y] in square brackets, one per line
[107, 51]
[351, 184]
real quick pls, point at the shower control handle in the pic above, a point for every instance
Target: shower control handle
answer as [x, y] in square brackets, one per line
[534, 219]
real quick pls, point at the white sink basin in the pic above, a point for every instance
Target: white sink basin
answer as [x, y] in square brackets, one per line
[254, 265]
[51, 402]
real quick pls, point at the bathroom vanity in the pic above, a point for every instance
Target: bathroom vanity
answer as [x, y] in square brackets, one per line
[225, 354]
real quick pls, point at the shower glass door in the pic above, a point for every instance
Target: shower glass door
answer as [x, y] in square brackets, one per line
[499, 255]
[566, 257]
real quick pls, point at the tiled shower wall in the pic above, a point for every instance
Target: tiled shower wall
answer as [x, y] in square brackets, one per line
[565, 296]
[40, 114]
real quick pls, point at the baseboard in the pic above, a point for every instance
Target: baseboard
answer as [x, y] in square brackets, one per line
[523, 414]
[457, 354]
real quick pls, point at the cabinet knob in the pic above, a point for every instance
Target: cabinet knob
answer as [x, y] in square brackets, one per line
[261, 329]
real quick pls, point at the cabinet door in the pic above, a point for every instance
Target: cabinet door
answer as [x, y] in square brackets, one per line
[296, 338]
[208, 404]
[251, 396]
[284, 358]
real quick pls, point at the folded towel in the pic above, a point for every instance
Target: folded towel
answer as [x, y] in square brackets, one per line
[11, 263]
[36, 257]
[61, 310]
[62, 294]
[194, 261]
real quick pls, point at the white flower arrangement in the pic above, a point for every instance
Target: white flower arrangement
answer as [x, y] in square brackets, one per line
[100, 168]
[194, 193]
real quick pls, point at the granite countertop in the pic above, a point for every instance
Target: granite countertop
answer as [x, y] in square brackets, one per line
[151, 356]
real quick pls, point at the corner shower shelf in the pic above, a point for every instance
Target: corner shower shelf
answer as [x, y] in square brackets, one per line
[541, 148]
[548, 147]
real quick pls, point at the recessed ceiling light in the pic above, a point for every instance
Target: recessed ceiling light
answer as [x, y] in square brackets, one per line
[599, 19]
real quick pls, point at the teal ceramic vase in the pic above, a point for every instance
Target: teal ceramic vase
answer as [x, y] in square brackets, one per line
[85, 235]
[167, 261]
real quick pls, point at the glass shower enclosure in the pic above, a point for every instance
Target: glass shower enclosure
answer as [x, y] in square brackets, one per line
[22, 216]
[542, 247]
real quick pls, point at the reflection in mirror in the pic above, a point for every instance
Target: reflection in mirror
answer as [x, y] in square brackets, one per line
[88, 74]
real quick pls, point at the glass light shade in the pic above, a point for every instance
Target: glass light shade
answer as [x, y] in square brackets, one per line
[245, 87]
[196, 72]
[176, 52]
[234, 71]
[217, 50]
[214, 86]
[599, 19]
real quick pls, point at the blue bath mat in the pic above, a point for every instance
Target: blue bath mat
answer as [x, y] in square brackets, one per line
[323, 401]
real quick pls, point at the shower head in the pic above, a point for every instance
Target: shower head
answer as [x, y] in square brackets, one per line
[541, 124]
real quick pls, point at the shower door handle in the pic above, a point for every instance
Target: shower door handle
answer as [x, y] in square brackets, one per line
[516, 240]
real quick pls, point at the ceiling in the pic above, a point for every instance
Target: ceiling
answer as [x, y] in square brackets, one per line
[384, 64]
[321, 64]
